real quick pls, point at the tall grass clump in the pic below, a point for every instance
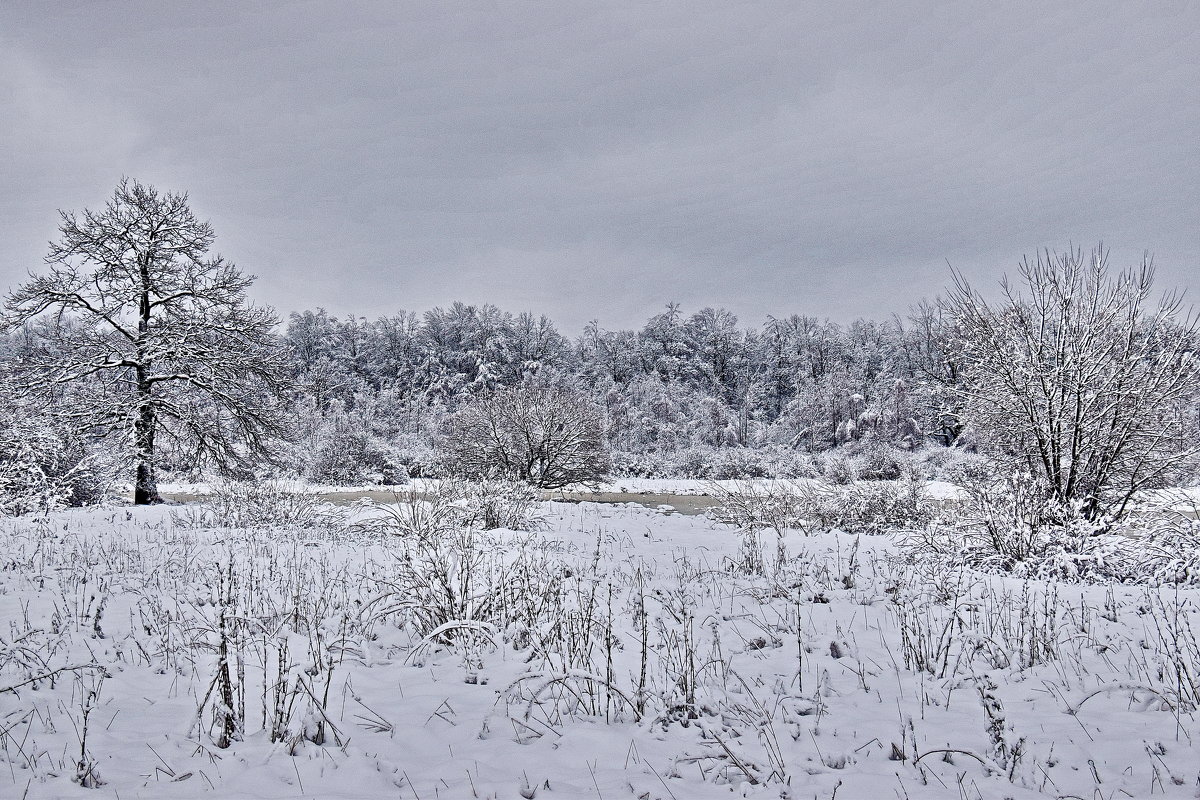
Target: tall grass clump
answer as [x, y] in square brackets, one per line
[258, 506]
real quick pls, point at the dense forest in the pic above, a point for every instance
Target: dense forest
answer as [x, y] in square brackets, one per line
[686, 395]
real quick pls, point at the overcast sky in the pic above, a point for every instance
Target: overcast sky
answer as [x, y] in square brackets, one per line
[597, 160]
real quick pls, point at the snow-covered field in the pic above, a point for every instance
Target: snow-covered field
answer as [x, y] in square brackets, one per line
[617, 652]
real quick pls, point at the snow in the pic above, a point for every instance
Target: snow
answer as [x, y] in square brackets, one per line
[1184, 499]
[800, 676]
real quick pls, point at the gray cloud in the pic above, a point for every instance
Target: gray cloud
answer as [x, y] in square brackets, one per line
[599, 160]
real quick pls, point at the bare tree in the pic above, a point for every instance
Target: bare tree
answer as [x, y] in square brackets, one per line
[545, 436]
[145, 334]
[1080, 378]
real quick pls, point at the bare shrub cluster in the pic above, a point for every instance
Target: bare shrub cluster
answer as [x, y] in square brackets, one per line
[274, 505]
[544, 436]
[1010, 528]
[874, 507]
[1081, 378]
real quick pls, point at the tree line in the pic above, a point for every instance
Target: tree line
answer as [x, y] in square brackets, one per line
[137, 347]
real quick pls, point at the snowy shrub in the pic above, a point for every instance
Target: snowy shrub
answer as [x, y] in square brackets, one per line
[1164, 556]
[446, 582]
[260, 506]
[1150, 545]
[491, 504]
[739, 464]
[545, 436]
[1010, 528]
[1167, 546]
[692, 462]
[868, 507]
[623, 464]
[453, 580]
[838, 468]
[417, 515]
[349, 455]
[454, 505]
[420, 462]
[927, 462]
[42, 470]
[716, 463]
[964, 468]
[752, 507]
[1079, 375]
[795, 464]
[872, 508]
[1001, 525]
[24, 486]
[879, 461]
[1016, 521]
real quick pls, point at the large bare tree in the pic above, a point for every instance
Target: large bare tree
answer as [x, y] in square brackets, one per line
[1082, 377]
[146, 335]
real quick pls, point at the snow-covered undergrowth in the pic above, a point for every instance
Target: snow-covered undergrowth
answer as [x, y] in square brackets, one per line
[873, 507]
[616, 652]
[1005, 528]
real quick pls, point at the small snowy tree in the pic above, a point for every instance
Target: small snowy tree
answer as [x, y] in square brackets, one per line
[26, 485]
[42, 467]
[1079, 379]
[547, 437]
[148, 335]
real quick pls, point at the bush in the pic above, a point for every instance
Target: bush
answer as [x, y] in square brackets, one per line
[641, 465]
[347, 455]
[454, 505]
[421, 462]
[966, 469]
[838, 469]
[877, 461]
[795, 464]
[740, 464]
[745, 463]
[1009, 527]
[260, 506]
[871, 508]
[547, 437]
[754, 507]
[1165, 547]
[1079, 376]
[693, 462]
[491, 504]
[1011, 533]
[451, 574]
[42, 470]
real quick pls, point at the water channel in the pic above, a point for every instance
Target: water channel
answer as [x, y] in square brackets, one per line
[686, 504]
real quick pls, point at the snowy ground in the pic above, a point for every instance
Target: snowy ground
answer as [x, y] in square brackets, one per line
[618, 652]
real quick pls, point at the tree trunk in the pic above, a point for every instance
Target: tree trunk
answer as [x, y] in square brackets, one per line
[145, 487]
